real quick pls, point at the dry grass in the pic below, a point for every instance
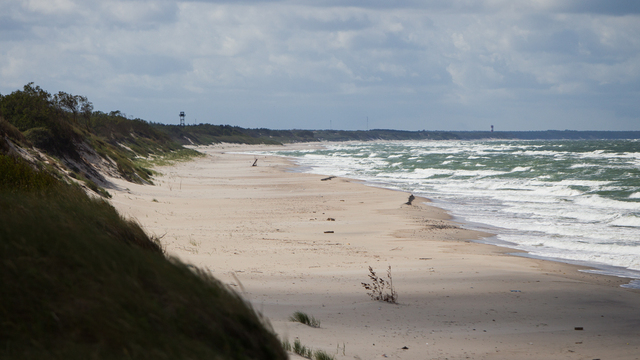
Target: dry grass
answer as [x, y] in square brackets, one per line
[381, 289]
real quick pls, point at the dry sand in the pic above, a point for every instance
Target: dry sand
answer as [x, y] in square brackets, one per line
[262, 230]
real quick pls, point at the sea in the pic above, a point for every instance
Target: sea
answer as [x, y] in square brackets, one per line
[575, 201]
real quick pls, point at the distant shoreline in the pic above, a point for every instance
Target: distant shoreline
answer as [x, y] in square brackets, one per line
[207, 134]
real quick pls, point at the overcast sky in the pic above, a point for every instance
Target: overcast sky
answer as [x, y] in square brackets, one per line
[412, 65]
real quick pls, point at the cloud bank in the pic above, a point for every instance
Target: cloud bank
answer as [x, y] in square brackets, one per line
[435, 65]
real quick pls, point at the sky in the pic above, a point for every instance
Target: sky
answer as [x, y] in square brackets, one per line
[329, 64]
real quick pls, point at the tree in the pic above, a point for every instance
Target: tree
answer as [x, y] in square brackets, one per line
[87, 109]
[29, 108]
[76, 105]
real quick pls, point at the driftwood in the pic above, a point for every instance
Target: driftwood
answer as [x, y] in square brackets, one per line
[411, 198]
[255, 163]
[327, 178]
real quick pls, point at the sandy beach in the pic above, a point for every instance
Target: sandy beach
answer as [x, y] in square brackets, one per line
[291, 242]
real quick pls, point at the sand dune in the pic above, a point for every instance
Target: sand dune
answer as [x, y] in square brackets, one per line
[268, 233]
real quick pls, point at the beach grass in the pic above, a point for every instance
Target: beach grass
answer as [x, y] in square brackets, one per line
[304, 351]
[80, 281]
[168, 158]
[322, 355]
[303, 318]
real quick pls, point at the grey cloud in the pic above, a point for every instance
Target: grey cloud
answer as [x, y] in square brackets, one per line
[13, 30]
[138, 14]
[147, 64]
[333, 24]
[284, 64]
[607, 7]
[564, 41]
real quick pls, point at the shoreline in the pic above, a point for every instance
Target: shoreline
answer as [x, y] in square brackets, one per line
[630, 278]
[262, 230]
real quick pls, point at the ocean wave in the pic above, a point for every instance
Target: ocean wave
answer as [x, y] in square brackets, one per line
[571, 200]
[597, 201]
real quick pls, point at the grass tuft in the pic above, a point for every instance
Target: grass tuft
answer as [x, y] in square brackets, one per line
[322, 355]
[303, 318]
[286, 345]
[381, 289]
[302, 350]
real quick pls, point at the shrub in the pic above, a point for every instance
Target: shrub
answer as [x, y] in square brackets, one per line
[11, 131]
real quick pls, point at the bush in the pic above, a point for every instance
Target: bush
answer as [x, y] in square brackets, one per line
[42, 138]
[11, 131]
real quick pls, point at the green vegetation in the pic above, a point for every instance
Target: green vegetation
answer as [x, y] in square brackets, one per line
[303, 318]
[66, 128]
[304, 351]
[207, 134]
[12, 132]
[17, 176]
[134, 145]
[322, 355]
[170, 158]
[39, 116]
[79, 282]
[90, 184]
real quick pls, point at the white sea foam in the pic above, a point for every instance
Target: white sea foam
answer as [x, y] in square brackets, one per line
[627, 220]
[583, 165]
[562, 212]
[633, 284]
[597, 201]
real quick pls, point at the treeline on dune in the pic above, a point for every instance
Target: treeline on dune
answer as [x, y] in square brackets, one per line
[79, 281]
[205, 134]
